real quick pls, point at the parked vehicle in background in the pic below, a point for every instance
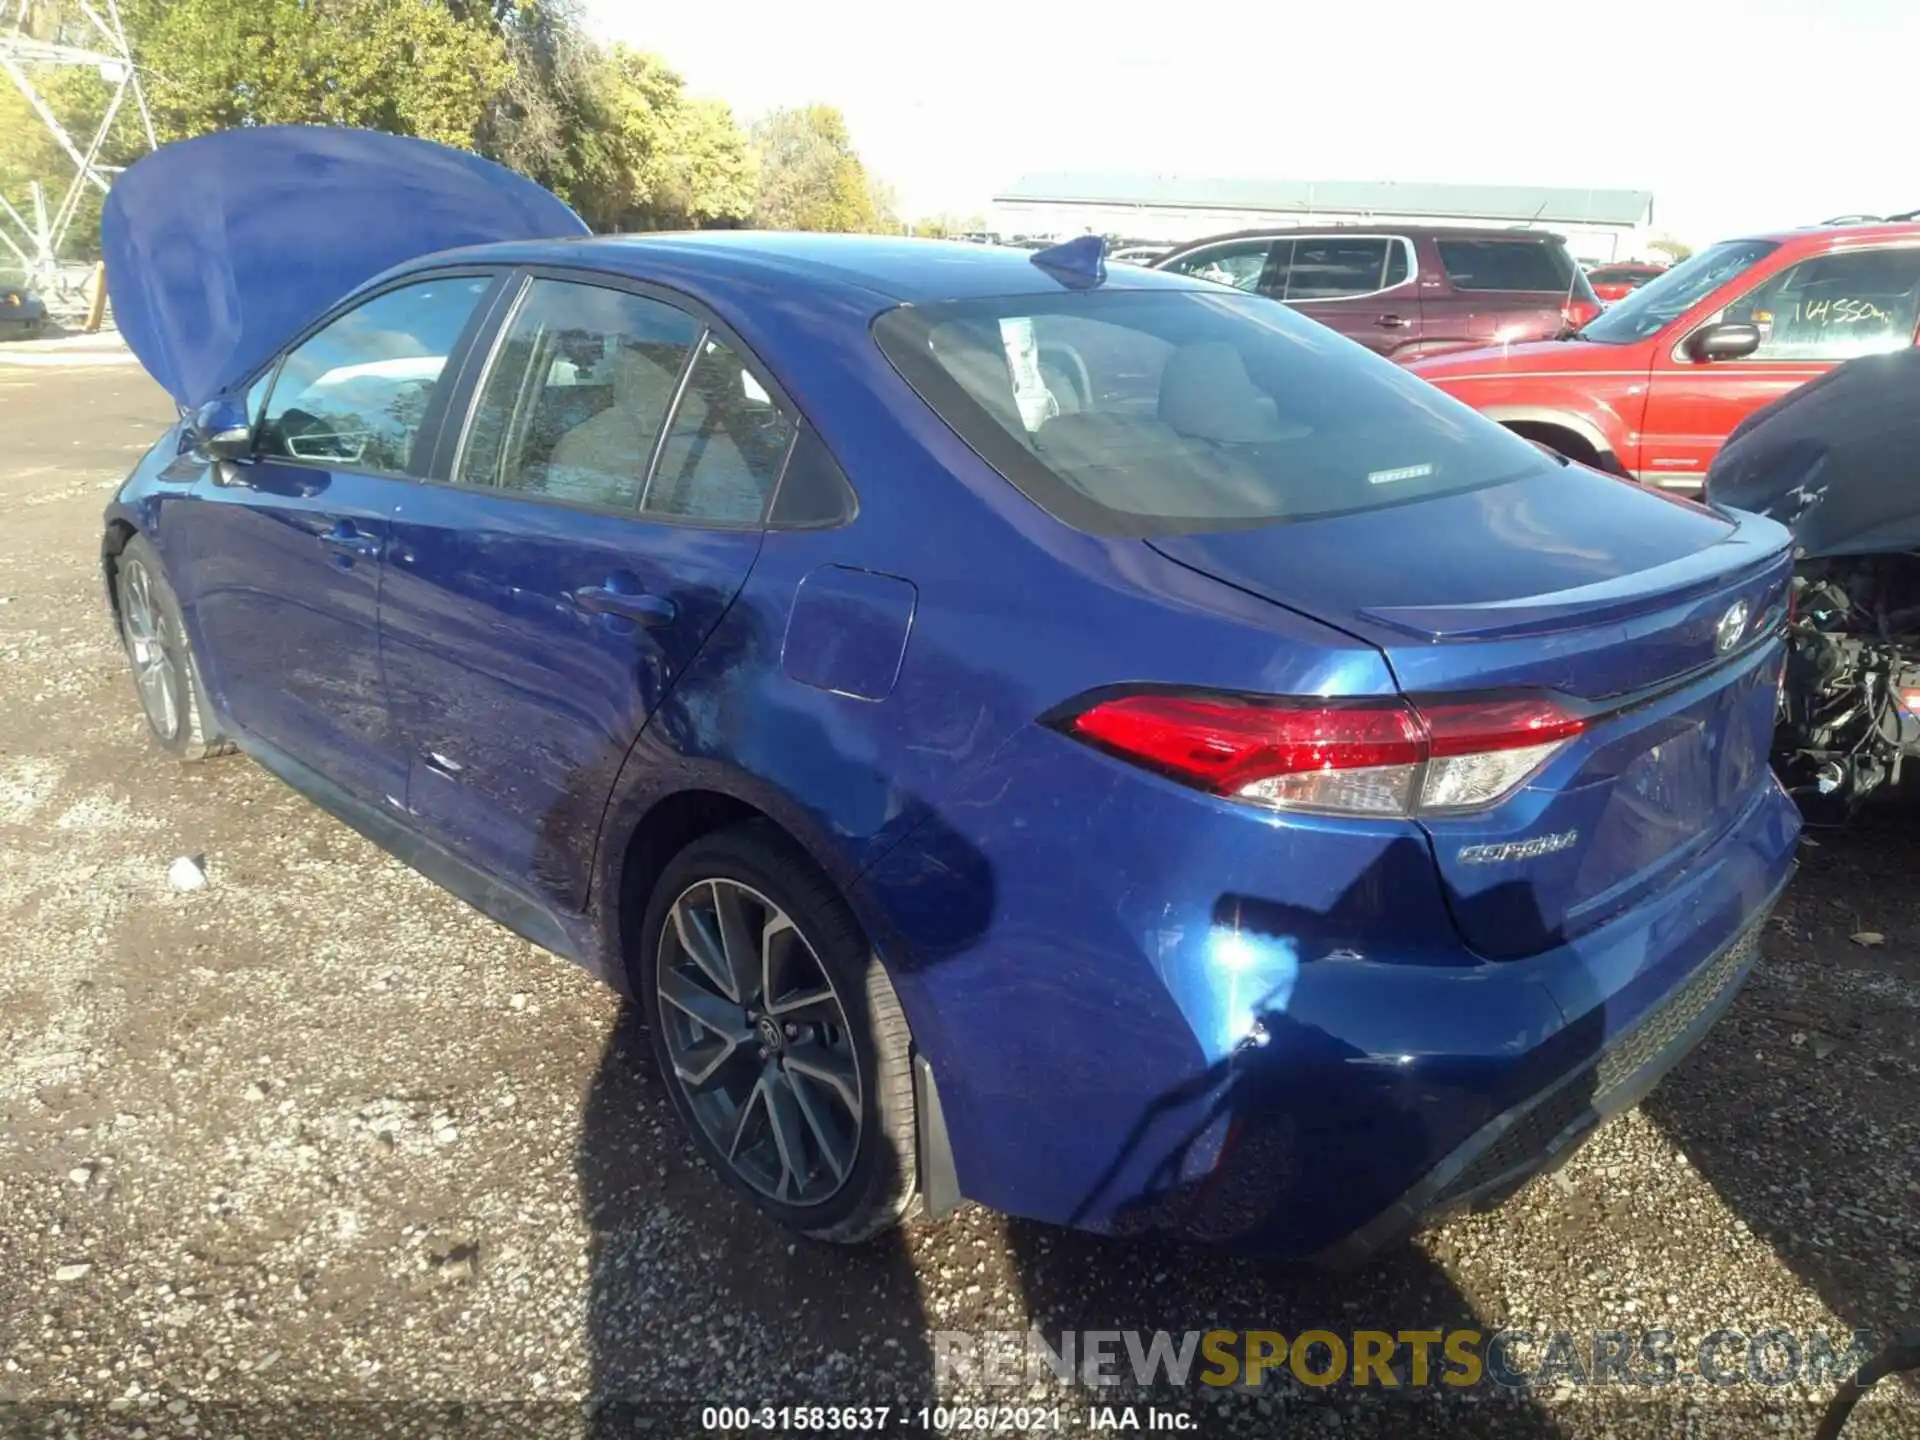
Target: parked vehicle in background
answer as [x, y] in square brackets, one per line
[1405, 291]
[1653, 387]
[1616, 282]
[1834, 460]
[22, 313]
[1136, 254]
[1070, 737]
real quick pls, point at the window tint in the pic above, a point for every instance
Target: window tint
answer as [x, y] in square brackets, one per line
[1153, 413]
[1835, 307]
[1672, 293]
[725, 446]
[1238, 263]
[576, 394]
[1325, 268]
[355, 393]
[1507, 264]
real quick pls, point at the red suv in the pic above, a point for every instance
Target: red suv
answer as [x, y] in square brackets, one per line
[1653, 386]
[1405, 291]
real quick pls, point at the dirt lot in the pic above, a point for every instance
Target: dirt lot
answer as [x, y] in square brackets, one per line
[318, 1133]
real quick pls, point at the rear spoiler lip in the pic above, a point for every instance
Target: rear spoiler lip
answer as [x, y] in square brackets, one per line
[1754, 545]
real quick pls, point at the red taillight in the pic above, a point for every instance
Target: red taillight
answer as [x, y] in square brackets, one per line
[1578, 312]
[1374, 758]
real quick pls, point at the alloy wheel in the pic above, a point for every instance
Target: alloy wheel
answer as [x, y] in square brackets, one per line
[759, 1042]
[153, 667]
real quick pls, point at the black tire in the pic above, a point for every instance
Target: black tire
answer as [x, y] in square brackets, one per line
[879, 1186]
[161, 658]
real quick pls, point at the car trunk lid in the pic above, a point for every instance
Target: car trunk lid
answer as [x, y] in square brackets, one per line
[1653, 618]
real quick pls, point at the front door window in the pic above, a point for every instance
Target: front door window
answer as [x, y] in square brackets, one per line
[1835, 307]
[355, 394]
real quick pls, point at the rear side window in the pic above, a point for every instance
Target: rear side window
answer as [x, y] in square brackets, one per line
[1507, 265]
[355, 394]
[1141, 413]
[1333, 267]
[576, 395]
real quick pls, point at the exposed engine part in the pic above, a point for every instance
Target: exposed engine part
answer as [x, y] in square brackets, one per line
[1850, 698]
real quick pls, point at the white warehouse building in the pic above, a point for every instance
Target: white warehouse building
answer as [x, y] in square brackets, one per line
[1599, 225]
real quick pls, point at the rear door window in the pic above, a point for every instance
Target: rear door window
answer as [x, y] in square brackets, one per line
[724, 449]
[576, 395]
[1162, 412]
[1474, 264]
[1336, 267]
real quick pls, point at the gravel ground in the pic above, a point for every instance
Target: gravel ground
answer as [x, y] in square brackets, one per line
[318, 1135]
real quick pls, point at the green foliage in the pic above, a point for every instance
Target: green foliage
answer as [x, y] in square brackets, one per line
[1674, 250]
[810, 178]
[948, 226]
[611, 129]
[413, 67]
[644, 156]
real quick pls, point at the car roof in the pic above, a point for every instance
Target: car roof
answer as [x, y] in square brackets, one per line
[1863, 233]
[1440, 232]
[878, 270]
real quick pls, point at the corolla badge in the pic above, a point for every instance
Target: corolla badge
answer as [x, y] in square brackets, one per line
[1518, 849]
[1732, 625]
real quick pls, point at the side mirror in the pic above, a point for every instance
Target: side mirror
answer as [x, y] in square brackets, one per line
[1723, 342]
[221, 431]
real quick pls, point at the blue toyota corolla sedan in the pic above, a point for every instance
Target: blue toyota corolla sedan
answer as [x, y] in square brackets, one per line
[1095, 744]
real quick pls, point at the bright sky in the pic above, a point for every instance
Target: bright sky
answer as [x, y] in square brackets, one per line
[1792, 112]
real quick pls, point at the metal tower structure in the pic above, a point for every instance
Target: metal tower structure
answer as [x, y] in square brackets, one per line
[31, 35]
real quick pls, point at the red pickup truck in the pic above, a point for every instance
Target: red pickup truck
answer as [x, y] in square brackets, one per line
[1652, 387]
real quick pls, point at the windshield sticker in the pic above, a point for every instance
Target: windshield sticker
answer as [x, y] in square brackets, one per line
[1030, 393]
[1405, 472]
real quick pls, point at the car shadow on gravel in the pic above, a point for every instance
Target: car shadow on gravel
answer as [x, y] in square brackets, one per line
[1802, 1107]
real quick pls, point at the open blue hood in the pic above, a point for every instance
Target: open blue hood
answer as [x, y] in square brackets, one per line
[220, 249]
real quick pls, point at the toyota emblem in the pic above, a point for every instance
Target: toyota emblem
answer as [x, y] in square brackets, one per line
[1732, 625]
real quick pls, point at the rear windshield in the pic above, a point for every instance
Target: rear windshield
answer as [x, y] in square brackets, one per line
[1612, 274]
[1168, 411]
[1539, 264]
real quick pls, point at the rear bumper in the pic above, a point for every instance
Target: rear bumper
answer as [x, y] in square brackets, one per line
[1542, 1132]
[1167, 1030]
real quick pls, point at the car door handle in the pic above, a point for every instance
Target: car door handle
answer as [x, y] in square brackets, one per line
[1390, 322]
[642, 609]
[346, 536]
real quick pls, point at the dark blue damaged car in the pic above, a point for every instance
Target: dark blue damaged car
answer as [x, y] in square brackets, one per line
[1093, 743]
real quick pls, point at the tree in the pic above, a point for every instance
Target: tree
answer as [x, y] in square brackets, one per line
[412, 67]
[810, 177]
[1674, 250]
[713, 174]
[610, 130]
[643, 156]
[947, 226]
